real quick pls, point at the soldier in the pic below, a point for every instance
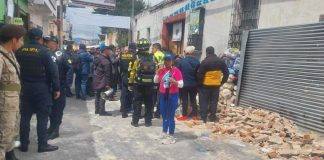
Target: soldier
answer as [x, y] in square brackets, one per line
[141, 80]
[126, 95]
[39, 74]
[64, 65]
[11, 38]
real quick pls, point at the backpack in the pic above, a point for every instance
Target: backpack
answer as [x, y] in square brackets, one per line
[146, 70]
[76, 63]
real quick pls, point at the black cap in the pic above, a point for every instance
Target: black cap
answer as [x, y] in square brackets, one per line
[35, 34]
[50, 38]
[53, 39]
[111, 47]
[132, 46]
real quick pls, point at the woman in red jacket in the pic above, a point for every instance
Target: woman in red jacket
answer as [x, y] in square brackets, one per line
[170, 79]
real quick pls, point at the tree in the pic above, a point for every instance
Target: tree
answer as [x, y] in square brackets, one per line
[124, 8]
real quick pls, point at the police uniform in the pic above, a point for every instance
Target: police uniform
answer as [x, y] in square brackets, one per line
[39, 75]
[64, 65]
[126, 95]
[143, 87]
[9, 101]
[69, 78]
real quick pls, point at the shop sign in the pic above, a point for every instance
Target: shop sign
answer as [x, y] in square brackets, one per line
[18, 21]
[109, 4]
[190, 6]
[177, 32]
[194, 22]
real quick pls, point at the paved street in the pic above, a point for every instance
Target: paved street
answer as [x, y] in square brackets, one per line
[85, 136]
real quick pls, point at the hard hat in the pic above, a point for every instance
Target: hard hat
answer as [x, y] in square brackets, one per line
[143, 44]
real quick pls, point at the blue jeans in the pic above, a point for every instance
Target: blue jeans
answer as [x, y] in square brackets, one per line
[168, 106]
[84, 83]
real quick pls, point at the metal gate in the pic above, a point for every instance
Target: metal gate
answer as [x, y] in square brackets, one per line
[283, 71]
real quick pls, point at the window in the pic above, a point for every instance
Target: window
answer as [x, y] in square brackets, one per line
[245, 17]
[148, 34]
[138, 35]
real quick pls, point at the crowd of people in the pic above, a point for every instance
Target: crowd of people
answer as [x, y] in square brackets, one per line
[36, 78]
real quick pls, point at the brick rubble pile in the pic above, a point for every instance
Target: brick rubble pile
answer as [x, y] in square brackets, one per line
[276, 136]
[227, 95]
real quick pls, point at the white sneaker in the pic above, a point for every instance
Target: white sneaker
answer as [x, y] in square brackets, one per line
[172, 140]
[169, 140]
[162, 136]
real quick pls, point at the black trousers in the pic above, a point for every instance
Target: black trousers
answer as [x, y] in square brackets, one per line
[156, 101]
[208, 99]
[36, 98]
[58, 108]
[143, 94]
[90, 90]
[126, 95]
[100, 103]
[189, 94]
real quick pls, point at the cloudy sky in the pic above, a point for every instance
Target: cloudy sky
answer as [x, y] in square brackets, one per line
[153, 2]
[86, 25]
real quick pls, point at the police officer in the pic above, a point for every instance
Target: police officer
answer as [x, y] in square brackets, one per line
[143, 66]
[69, 78]
[126, 95]
[11, 38]
[39, 74]
[64, 65]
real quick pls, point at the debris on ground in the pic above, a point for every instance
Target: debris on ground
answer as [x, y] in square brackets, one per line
[276, 136]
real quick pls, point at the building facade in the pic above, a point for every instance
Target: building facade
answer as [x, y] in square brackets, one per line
[42, 14]
[219, 23]
[14, 11]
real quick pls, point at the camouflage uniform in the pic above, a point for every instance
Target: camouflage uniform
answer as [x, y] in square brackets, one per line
[9, 102]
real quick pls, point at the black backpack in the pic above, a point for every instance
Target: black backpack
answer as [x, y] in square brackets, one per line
[146, 70]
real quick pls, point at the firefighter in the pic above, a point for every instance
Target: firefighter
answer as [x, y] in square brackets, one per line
[126, 95]
[141, 81]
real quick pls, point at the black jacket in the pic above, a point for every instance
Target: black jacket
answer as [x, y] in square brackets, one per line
[37, 64]
[125, 58]
[102, 75]
[212, 63]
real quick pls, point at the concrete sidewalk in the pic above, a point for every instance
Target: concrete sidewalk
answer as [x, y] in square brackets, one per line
[86, 136]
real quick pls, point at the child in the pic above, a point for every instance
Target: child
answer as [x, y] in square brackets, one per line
[170, 79]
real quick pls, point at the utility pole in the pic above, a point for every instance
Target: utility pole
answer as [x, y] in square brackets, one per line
[60, 33]
[130, 34]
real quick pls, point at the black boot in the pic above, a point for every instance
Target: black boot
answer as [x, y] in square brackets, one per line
[105, 114]
[47, 148]
[23, 148]
[11, 155]
[50, 130]
[54, 134]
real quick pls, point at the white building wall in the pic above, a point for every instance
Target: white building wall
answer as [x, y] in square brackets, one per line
[154, 21]
[216, 28]
[276, 13]
[273, 13]
[217, 25]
